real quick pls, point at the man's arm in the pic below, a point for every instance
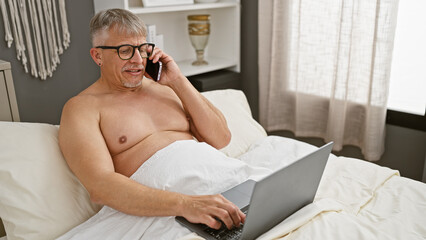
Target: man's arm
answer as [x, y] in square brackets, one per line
[207, 123]
[86, 153]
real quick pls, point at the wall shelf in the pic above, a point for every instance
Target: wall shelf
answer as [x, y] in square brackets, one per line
[189, 7]
[215, 63]
[223, 48]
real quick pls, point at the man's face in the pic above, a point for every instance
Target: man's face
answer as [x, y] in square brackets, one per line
[128, 73]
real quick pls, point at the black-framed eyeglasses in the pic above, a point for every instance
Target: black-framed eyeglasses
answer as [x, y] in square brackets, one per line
[126, 51]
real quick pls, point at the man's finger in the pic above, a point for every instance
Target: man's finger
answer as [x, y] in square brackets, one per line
[242, 216]
[234, 212]
[213, 223]
[224, 216]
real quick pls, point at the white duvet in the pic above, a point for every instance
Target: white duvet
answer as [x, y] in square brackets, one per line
[355, 200]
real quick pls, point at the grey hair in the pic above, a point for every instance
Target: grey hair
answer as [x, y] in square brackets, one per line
[124, 21]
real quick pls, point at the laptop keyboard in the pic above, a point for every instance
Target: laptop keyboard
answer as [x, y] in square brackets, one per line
[225, 233]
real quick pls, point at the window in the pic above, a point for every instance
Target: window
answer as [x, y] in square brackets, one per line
[407, 91]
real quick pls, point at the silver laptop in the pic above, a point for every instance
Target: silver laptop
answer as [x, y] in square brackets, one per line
[272, 199]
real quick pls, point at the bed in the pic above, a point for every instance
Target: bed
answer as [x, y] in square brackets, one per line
[41, 199]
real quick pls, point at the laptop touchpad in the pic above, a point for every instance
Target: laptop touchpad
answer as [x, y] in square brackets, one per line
[240, 195]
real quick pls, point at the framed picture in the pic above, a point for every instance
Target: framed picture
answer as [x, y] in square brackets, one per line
[157, 3]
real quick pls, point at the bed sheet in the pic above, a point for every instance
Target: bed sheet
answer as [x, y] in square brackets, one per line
[356, 199]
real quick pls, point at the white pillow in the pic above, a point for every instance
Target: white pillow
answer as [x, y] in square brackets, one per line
[40, 197]
[244, 129]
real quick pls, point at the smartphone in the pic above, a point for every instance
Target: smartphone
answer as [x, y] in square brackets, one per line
[153, 69]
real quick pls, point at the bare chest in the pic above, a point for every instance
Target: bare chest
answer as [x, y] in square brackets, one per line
[126, 122]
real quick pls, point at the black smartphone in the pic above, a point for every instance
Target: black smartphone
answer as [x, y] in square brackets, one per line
[153, 69]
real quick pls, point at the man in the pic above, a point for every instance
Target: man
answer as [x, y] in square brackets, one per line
[111, 128]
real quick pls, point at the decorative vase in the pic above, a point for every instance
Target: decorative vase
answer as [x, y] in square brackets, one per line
[199, 31]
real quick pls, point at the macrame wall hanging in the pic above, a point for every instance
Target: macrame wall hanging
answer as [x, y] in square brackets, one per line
[36, 26]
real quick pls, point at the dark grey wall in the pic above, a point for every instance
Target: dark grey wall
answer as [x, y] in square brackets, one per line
[42, 101]
[424, 170]
[249, 54]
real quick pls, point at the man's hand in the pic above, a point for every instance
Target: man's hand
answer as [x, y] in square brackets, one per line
[170, 70]
[207, 209]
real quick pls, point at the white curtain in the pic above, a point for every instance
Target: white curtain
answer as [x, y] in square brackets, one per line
[324, 69]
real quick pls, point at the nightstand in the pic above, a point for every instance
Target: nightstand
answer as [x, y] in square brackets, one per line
[221, 79]
[8, 103]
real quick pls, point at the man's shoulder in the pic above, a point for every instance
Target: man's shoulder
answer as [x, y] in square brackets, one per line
[81, 104]
[83, 100]
[88, 98]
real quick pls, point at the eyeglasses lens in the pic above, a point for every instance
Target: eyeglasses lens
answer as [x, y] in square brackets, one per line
[126, 52]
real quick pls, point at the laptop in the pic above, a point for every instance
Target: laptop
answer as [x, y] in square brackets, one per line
[272, 199]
